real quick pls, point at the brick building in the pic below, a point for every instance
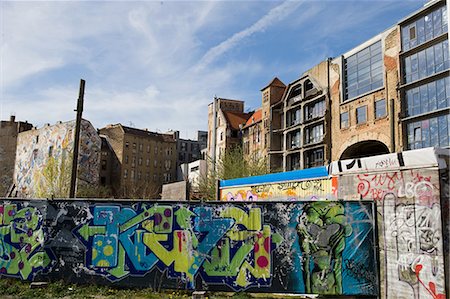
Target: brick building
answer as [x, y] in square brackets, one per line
[43, 164]
[226, 119]
[8, 141]
[142, 161]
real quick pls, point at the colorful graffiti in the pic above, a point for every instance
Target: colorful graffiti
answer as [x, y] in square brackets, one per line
[22, 251]
[314, 189]
[219, 246]
[181, 239]
[411, 234]
[35, 175]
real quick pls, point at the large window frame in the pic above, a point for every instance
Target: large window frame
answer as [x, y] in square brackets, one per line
[314, 157]
[424, 28]
[428, 97]
[314, 134]
[427, 62]
[364, 71]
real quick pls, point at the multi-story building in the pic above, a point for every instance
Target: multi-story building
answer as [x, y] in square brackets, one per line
[301, 132]
[364, 96]
[43, 164]
[392, 92]
[144, 161]
[424, 77]
[8, 141]
[226, 119]
[202, 138]
[188, 151]
[252, 136]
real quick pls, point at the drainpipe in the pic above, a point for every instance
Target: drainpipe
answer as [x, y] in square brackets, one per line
[392, 123]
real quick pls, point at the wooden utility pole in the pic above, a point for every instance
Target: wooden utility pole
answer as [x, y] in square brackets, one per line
[76, 143]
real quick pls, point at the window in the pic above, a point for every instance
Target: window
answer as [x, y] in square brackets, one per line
[37, 139]
[315, 110]
[103, 164]
[412, 32]
[50, 150]
[147, 162]
[156, 150]
[127, 144]
[134, 145]
[139, 175]
[141, 146]
[429, 132]
[195, 168]
[133, 161]
[294, 117]
[363, 71]
[126, 159]
[297, 90]
[294, 162]
[426, 62]
[140, 161]
[184, 146]
[314, 134]
[125, 173]
[265, 96]
[314, 158]
[380, 108]
[246, 147]
[221, 136]
[424, 28]
[308, 85]
[361, 115]
[148, 148]
[344, 120]
[155, 178]
[295, 139]
[428, 97]
[155, 163]
[133, 175]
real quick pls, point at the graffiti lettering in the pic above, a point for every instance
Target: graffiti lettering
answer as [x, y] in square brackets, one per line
[21, 242]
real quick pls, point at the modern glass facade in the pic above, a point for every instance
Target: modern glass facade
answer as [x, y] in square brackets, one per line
[364, 71]
[424, 28]
[426, 90]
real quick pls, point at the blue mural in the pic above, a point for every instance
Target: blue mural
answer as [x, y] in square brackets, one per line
[297, 247]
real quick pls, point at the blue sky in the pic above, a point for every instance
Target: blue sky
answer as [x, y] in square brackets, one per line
[158, 64]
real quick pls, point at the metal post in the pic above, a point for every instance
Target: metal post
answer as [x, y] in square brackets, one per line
[76, 143]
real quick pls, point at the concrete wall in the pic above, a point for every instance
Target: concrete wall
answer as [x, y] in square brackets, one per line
[410, 191]
[270, 247]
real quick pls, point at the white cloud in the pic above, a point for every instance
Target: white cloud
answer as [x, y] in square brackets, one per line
[274, 15]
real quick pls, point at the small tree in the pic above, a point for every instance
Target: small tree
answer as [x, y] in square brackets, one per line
[54, 180]
[232, 165]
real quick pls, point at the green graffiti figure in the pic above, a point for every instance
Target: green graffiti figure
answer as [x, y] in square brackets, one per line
[322, 230]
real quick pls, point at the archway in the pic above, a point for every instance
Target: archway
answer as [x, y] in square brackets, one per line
[365, 149]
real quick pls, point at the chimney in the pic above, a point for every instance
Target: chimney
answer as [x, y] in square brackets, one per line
[12, 118]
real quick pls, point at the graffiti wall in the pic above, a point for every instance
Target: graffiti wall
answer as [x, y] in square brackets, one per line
[411, 210]
[313, 189]
[302, 247]
[44, 157]
[299, 185]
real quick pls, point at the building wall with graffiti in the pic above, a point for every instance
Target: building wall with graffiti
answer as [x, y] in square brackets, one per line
[411, 194]
[302, 247]
[412, 219]
[44, 159]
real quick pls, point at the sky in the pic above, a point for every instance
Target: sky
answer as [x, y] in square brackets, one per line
[158, 64]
